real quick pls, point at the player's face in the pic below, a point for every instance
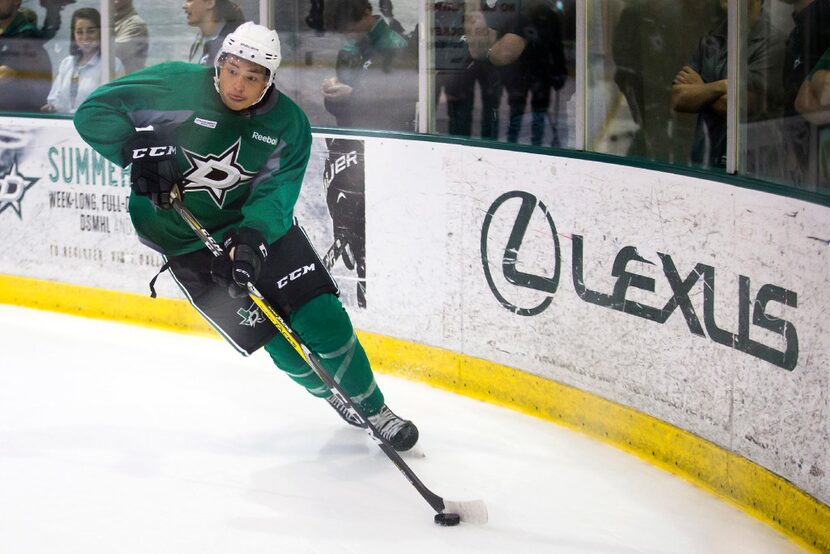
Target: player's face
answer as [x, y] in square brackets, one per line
[241, 82]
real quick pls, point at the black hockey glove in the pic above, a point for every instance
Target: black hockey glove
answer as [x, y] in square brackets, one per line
[249, 254]
[154, 169]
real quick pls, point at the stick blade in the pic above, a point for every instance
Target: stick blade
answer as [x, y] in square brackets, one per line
[471, 511]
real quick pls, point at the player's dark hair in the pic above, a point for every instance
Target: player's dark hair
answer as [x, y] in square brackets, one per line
[90, 14]
[338, 14]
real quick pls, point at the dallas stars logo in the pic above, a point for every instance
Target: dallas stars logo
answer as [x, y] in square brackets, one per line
[251, 316]
[13, 186]
[217, 175]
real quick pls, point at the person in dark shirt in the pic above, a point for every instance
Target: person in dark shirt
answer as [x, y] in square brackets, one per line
[701, 86]
[456, 74]
[651, 41]
[25, 68]
[813, 100]
[526, 44]
[805, 45]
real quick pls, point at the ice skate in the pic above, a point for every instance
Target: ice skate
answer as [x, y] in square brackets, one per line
[401, 433]
[343, 411]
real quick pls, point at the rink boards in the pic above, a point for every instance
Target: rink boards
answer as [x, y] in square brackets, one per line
[677, 317]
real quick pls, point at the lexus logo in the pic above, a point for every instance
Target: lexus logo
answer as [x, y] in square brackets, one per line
[510, 255]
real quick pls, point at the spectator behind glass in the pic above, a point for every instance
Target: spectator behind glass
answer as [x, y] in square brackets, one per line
[314, 19]
[25, 69]
[700, 86]
[528, 49]
[376, 86]
[456, 73]
[813, 100]
[387, 10]
[813, 103]
[29, 14]
[807, 42]
[131, 36]
[215, 19]
[651, 40]
[80, 72]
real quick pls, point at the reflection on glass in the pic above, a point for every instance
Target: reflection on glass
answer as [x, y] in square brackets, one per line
[147, 32]
[457, 74]
[813, 103]
[701, 86]
[80, 72]
[636, 50]
[130, 35]
[375, 85]
[346, 65]
[496, 69]
[792, 149]
[25, 67]
[513, 53]
[214, 19]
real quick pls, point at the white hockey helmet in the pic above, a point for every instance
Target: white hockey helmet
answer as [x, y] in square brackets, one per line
[255, 43]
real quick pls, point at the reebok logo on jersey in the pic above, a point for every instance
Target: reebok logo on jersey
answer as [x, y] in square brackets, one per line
[270, 140]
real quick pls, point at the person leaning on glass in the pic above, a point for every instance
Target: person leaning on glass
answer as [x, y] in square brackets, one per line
[80, 72]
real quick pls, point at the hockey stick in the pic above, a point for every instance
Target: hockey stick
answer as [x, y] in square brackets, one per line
[336, 250]
[448, 512]
[339, 249]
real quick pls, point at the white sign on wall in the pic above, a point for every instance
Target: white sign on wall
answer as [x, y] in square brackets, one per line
[699, 303]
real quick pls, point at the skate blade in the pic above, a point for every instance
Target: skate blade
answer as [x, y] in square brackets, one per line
[414, 452]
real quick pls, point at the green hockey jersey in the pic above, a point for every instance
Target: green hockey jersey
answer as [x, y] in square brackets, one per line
[240, 168]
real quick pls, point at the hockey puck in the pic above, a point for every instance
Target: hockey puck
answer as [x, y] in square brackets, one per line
[448, 519]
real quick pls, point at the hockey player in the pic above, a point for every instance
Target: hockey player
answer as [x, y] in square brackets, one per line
[345, 196]
[237, 148]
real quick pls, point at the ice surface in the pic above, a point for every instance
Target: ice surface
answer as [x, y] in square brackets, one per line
[117, 438]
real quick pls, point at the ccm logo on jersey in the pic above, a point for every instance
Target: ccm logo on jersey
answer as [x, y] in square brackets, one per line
[296, 274]
[153, 152]
[263, 138]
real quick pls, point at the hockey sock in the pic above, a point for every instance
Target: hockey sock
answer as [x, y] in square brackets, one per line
[325, 328]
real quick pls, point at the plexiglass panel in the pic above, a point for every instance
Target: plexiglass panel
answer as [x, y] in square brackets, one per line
[503, 70]
[500, 70]
[637, 51]
[353, 64]
[786, 64]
